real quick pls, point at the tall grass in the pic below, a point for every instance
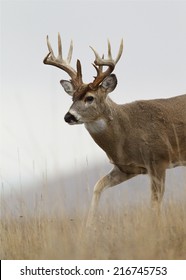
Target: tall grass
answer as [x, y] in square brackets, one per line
[119, 233]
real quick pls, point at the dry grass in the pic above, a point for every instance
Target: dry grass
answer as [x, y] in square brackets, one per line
[119, 233]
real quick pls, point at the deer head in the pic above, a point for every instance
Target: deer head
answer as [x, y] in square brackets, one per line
[88, 99]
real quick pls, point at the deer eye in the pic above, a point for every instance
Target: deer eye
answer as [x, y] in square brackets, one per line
[89, 99]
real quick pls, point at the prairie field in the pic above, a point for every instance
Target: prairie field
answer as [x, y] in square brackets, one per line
[124, 232]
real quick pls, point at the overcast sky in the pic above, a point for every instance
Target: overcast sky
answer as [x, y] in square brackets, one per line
[34, 137]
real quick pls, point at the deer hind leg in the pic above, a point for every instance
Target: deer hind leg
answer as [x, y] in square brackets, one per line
[113, 178]
[157, 175]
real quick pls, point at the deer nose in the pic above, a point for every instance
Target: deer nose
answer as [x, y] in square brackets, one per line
[69, 118]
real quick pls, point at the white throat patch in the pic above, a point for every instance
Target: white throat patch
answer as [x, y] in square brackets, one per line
[96, 126]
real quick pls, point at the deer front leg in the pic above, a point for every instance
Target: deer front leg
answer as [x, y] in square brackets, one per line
[157, 176]
[113, 178]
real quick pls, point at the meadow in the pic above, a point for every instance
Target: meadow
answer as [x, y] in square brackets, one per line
[120, 232]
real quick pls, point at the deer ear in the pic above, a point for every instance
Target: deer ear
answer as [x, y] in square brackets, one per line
[68, 87]
[109, 83]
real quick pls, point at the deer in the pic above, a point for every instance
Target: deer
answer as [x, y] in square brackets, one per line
[141, 137]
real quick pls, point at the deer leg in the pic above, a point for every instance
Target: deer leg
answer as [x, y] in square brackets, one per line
[113, 178]
[157, 176]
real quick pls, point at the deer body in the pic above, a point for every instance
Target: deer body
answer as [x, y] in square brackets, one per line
[142, 132]
[142, 137]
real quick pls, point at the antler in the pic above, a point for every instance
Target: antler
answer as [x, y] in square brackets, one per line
[59, 62]
[100, 62]
[76, 76]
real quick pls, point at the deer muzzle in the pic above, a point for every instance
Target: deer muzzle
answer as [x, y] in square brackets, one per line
[70, 119]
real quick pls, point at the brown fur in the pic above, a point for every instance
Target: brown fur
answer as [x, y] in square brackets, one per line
[145, 132]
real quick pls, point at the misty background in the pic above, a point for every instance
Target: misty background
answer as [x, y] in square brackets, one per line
[37, 148]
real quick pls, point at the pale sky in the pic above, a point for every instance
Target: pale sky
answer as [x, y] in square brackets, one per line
[34, 137]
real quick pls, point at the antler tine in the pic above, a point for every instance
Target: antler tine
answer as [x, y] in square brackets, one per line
[100, 62]
[59, 47]
[97, 57]
[64, 64]
[109, 50]
[69, 57]
[79, 71]
[99, 69]
[101, 66]
[120, 51]
[50, 48]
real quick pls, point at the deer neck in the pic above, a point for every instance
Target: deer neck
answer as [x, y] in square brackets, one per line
[102, 125]
[105, 130]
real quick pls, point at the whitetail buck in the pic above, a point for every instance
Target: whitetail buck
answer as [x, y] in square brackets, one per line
[143, 137]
